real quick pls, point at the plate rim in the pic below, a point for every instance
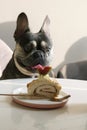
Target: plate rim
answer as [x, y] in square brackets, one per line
[37, 105]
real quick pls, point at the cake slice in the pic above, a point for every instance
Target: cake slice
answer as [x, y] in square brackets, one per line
[44, 86]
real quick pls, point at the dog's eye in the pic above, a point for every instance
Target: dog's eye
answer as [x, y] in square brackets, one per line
[33, 43]
[30, 46]
[43, 44]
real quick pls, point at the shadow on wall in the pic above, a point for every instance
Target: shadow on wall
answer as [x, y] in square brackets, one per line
[77, 52]
[6, 33]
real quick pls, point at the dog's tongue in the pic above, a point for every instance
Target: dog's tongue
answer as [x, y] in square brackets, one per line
[43, 70]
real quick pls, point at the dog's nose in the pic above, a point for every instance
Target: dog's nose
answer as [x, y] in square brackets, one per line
[38, 55]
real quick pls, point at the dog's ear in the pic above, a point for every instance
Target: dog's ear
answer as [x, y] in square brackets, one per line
[22, 25]
[45, 26]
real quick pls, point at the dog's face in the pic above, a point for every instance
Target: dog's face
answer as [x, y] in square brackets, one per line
[31, 48]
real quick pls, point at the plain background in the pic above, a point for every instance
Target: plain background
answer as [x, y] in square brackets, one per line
[68, 25]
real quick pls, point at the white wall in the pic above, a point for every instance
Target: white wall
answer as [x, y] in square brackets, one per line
[68, 22]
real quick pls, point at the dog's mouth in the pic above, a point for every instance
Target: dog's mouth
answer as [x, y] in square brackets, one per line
[30, 66]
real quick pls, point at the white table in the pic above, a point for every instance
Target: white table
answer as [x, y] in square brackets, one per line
[73, 116]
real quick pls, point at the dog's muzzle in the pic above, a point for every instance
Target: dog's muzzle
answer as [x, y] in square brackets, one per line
[36, 57]
[38, 54]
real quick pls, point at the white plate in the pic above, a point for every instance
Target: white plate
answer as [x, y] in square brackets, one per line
[38, 103]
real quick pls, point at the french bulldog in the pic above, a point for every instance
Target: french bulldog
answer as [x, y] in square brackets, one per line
[31, 49]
